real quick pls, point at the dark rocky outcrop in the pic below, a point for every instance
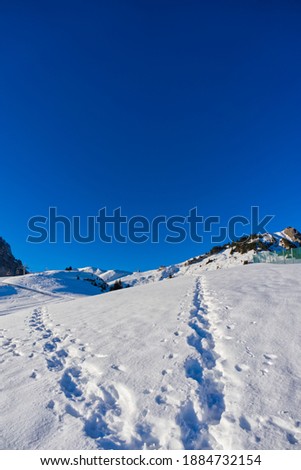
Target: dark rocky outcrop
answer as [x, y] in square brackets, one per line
[9, 265]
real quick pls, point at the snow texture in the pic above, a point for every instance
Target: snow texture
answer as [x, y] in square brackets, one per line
[207, 359]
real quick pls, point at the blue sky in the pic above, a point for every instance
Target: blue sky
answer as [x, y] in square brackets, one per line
[153, 106]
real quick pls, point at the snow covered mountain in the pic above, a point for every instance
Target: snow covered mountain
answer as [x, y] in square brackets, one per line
[107, 275]
[244, 249]
[194, 356]
[232, 254]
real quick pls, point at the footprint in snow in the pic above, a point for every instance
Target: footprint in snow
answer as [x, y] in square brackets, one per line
[119, 367]
[291, 438]
[69, 384]
[172, 356]
[178, 333]
[229, 417]
[62, 353]
[268, 363]
[33, 375]
[242, 367]
[248, 351]
[270, 357]
[49, 347]
[160, 400]
[72, 411]
[6, 343]
[47, 334]
[244, 424]
[50, 405]
[54, 364]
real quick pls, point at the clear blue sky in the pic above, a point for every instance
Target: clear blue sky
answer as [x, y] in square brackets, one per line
[156, 106]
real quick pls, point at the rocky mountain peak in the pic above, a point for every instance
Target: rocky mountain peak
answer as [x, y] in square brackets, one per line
[9, 265]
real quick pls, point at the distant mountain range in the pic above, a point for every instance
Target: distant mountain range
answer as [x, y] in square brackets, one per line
[232, 253]
[250, 245]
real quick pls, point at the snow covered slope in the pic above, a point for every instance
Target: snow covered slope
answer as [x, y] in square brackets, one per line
[50, 286]
[229, 255]
[204, 360]
[255, 311]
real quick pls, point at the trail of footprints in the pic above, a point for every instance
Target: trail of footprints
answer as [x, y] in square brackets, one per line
[268, 359]
[289, 427]
[205, 405]
[104, 411]
[50, 344]
[83, 401]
